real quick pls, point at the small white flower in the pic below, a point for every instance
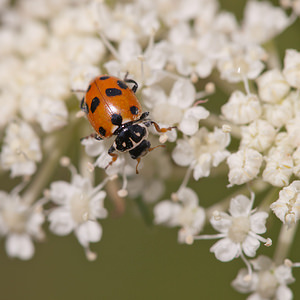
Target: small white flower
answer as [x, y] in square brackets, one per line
[194, 54]
[185, 212]
[202, 151]
[118, 26]
[287, 206]
[262, 21]
[242, 284]
[10, 68]
[166, 213]
[20, 223]
[183, 10]
[280, 113]
[31, 37]
[279, 167]
[177, 109]
[244, 165]
[52, 114]
[239, 230]
[79, 19]
[258, 135]
[191, 217]
[94, 147]
[85, 50]
[225, 22]
[145, 67]
[241, 108]
[283, 142]
[79, 207]
[291, 70]
[208, 16]
[267, 282]
[21, 149]
[272, 86]
[238, 63]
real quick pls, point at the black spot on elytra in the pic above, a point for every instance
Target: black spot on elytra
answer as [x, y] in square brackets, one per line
[122, 84]
[104, 77]
[94, 104]
[88, 88]
[134, 110]
[116, 119]
[113, 92]
[102, 131]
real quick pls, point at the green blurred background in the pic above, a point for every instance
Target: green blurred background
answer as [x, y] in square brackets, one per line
[135, 260]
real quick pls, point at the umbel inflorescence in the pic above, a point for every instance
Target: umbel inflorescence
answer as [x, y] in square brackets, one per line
[179, 53]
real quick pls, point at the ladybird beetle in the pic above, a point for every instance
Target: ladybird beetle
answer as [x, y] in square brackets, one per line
[112, 108]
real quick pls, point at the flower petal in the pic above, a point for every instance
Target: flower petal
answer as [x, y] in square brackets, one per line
[283, 292]
[225, 250]
[250, 245]
[183, 153]
[60, 191]
[61, 222]
[166, 212]
[221, 224]
[284, 274]
[19, 245]
[182, 89]
[90, 231]
[258, 222]
[242, 285]
[240, 206]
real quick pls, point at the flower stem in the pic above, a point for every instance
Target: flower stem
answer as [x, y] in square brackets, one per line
[55, 147]
[284, 243]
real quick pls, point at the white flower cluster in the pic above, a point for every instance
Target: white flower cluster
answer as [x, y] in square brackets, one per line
[180, 53]
[40, 60]
[269, 122]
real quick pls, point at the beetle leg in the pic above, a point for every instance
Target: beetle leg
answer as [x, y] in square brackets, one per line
[152, 148]
[136, 168]
[135, 85]
[113, 155]
[158, 129]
